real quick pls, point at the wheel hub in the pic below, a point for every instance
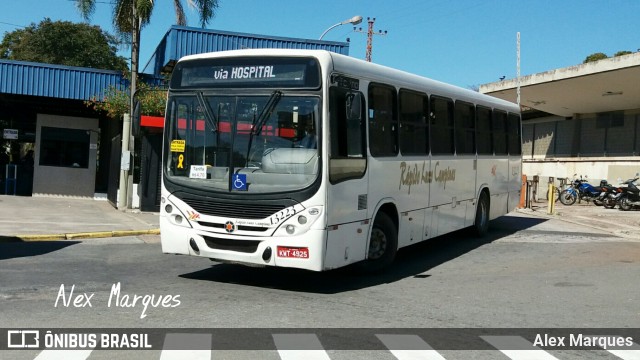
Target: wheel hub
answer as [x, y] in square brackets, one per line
[378, 244]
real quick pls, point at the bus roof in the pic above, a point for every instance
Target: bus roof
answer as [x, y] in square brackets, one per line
[373, 72]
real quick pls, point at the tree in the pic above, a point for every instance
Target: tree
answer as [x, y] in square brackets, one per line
[115, 103]
[129, 16]
[595, 57]
[622, 52]
[63, 43]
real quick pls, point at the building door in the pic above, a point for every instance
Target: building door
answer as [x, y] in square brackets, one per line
[150, 172]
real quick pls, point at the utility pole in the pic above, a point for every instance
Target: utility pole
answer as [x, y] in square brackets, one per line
[518, 68]
[370, 34]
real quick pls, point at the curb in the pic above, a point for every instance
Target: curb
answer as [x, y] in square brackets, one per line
[76, 236]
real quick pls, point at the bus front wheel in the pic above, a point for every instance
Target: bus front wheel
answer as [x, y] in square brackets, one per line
[383, 244]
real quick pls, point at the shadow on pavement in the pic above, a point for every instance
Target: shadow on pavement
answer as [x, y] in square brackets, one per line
[412, 261]
[12, 247]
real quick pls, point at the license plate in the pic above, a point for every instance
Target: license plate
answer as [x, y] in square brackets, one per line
[293, 252]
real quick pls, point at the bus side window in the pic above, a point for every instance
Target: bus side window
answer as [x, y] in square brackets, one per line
[347, 135]
[414, 128]
[514, 134]
[383, 120]
[483, 131]
[465, 124]
[499, 131]
[441, 119]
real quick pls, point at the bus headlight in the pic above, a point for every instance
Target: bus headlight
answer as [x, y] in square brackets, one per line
[299, 223]
[175, 216]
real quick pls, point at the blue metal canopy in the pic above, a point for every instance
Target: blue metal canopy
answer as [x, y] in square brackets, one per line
[78, 83]
[180, 41]
[56, 81]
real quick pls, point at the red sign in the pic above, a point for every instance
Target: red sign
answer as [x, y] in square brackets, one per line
[152, 121]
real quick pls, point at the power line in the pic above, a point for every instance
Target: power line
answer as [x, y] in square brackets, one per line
[16, 25]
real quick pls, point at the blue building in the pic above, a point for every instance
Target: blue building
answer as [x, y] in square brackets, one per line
[75, 149]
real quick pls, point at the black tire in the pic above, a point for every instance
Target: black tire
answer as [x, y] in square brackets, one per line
[568, 197]
[624, 204]
[557, 194]
[383, 244]
[609, 203]
[481, 223]
[598, 202]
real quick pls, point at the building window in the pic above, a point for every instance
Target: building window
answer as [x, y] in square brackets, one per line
[64, 147]
[610, 119]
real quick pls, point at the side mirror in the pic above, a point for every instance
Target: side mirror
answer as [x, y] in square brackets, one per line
[354, 106]
[135, 118]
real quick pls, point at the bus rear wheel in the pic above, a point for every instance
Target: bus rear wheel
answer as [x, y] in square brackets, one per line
[383, 244]
[481, 223]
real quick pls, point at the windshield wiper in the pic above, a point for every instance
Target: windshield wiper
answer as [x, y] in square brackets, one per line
[258, 123]
[211, 119]
[266, 112]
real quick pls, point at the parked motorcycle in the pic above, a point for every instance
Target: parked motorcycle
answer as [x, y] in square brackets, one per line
[629, 196]
[611, 194]
[581, 189]
[608, 196]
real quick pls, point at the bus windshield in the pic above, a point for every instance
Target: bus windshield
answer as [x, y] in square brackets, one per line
[254, 143]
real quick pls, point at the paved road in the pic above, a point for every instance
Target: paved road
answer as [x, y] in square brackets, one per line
[528, 273]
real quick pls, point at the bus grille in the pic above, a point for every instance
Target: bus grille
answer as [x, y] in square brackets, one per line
[239, 227]
[244, 210]
[244, 246]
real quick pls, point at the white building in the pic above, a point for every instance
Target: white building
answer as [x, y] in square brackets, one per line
[583, 119]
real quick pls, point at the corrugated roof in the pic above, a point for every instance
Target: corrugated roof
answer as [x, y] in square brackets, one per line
[180, 41]
[56, 81]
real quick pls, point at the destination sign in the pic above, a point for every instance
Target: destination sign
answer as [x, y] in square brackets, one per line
[244, 72]
[247, 72]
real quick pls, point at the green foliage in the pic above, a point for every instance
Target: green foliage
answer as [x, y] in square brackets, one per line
[595, 57]
[122, 19]
[129, 27]
[623, 52]
[63, 43]
[116, 102]
[600, 56]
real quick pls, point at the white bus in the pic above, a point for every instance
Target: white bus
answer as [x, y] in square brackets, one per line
[394, 159]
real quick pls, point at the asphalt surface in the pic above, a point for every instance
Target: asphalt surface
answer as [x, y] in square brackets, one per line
[56, 218]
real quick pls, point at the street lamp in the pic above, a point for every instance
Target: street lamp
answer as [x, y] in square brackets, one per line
[354, 21]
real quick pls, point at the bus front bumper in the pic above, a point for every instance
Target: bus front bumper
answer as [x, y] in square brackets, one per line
[303, 251]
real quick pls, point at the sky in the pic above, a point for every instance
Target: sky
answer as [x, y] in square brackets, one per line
[462, 42]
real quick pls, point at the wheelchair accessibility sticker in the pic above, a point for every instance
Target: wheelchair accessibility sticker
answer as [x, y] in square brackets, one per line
[239, 182]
